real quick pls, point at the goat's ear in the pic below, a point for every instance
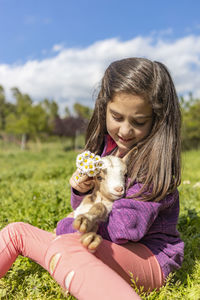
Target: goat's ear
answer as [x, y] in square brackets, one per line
[127, 156]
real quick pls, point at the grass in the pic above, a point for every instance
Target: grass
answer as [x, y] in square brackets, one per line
[34, 188]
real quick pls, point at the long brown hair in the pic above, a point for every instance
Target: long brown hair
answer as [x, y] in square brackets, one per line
[156, 164]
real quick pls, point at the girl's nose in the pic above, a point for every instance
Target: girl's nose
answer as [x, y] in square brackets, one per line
[126, 130]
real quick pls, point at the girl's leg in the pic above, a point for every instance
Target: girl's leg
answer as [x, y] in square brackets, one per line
[88, 276]
[83, 274]
[73, 267]
[132, 258]
[22, 239]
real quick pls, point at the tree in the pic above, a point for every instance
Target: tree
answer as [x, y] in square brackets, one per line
[70, 127]
[2, 108]
[190, 123]
[51, 109]
[5, 109]
[67, 112]
[28, 120]
[83, 111]
[23, 101]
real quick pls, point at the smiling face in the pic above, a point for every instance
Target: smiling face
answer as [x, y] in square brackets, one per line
[128, 120]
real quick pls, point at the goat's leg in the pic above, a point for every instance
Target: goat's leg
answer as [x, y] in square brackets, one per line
[84, 225]
[88, 222]
[91, 240]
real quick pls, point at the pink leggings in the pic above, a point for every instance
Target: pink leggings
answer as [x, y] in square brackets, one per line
[103, 275]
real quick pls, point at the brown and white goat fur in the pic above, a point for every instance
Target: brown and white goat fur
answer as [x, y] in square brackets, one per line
[95, 207]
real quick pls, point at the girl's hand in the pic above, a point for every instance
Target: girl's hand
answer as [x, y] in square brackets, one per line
[83, 184]
[70, 215]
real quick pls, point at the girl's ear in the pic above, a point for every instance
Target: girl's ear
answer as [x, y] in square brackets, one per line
[127, 156]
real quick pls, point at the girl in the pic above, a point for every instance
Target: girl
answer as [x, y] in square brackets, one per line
[137, 106]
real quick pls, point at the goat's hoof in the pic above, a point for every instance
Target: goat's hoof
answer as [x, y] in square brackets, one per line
[82, 224]
[91, 241]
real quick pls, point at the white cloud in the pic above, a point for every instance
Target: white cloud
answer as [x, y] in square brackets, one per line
[73, 73]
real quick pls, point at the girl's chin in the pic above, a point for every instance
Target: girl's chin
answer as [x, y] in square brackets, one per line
[125, 146]
[123, 149]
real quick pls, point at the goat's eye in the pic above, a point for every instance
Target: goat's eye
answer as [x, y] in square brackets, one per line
[99, 178]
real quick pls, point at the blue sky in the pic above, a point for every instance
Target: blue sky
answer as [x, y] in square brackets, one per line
[45, 37]
[30, 28]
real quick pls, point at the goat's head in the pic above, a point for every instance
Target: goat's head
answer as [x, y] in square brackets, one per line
[111, 179]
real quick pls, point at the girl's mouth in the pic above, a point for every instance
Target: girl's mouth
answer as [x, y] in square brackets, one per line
[124, 140]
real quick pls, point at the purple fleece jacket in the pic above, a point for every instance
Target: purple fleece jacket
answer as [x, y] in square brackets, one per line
[150, 223]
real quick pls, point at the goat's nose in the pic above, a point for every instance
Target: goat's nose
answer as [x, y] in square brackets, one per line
[119, 189]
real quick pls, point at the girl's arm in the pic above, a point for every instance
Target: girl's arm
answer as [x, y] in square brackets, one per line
[78, 192]
[131, 219]
[65, 225]
[80, 188]
[76, 198]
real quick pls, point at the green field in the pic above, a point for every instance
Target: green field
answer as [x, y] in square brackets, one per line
[34, 188]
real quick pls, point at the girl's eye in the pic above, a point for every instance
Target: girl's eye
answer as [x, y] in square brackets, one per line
[99, 178]
[139, 124]
[135, 123]
[117, 118]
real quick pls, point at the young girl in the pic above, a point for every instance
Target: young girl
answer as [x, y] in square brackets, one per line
[137, 106]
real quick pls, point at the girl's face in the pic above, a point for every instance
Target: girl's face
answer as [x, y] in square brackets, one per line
[128, 120]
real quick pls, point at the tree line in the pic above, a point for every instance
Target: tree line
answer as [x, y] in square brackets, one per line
[190, 122]
[25, 120]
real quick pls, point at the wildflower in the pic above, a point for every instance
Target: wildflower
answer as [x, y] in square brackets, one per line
[100, 164]
[91, 173]
[79, 158]
[97, 158]
[86, 154]
[92, 155]
[78, 176]
[89, 164]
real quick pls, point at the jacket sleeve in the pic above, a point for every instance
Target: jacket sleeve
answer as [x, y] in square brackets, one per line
[130, 219]
[76, 198]
[65, 226]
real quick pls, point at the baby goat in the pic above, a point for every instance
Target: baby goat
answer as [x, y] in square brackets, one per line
[95, 207]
